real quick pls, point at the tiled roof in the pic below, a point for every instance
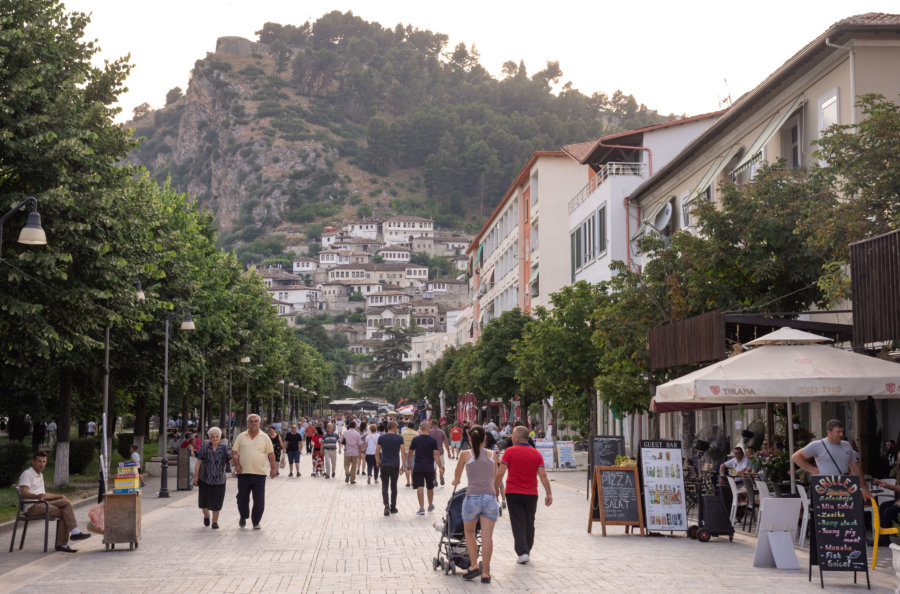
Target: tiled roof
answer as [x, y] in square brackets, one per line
[449, 281]
[871, 18]
[408, 218]
[583, 150]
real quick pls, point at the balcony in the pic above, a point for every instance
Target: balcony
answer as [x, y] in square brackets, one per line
[609, 170]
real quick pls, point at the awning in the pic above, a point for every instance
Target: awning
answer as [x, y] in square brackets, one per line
[716, 168]
[774, 125]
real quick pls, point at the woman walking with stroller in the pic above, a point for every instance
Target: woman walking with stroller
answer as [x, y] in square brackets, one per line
[480, 503]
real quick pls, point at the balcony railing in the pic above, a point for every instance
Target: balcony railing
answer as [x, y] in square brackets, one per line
[608, 170]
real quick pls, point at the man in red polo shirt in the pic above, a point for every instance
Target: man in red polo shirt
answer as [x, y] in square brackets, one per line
[525, 465]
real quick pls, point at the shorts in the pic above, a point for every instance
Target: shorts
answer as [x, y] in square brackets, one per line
[455, 444]
[294, 457]
[423, 479]
[480, 505]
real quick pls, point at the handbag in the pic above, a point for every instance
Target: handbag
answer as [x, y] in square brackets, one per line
[283, 462]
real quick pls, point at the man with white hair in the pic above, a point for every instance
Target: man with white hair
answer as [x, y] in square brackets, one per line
[250, 452]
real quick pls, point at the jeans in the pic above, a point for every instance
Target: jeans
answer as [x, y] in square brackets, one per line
[350, 463]
[389, 474]
[370, 465]
[255, 484]
[521, 519]
[330, 461]
[480, 505]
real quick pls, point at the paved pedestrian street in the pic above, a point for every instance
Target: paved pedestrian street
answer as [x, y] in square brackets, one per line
[327, 536]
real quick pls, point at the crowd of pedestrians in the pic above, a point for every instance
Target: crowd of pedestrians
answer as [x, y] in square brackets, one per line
[382, 450]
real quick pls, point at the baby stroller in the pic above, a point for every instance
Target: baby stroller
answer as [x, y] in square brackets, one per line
[452, 551]
[318, 463]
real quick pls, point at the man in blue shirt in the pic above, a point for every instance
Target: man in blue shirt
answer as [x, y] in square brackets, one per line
[426, 454]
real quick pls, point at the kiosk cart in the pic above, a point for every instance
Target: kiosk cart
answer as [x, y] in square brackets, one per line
[122, 519]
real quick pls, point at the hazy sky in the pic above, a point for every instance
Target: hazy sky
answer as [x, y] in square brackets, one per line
[672, 56]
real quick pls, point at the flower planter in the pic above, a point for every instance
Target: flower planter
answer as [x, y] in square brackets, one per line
[895, 554]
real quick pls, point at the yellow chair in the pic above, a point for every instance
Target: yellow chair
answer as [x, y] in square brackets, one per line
[878, 531]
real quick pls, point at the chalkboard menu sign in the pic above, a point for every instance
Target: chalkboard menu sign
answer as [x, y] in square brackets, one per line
[615, 498]
[605, 448]
[840, 530]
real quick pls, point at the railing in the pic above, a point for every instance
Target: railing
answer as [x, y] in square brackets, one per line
[608, 170]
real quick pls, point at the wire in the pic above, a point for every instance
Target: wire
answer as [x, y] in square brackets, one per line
[28, 276]
[752, 307]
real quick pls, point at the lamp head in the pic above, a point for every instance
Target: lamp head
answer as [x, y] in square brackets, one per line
[32, 233]
[188, 322]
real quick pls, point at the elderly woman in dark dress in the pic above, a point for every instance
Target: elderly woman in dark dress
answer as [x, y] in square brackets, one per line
[212, 461]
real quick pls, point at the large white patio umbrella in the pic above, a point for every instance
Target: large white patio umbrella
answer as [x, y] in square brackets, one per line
[787, 366]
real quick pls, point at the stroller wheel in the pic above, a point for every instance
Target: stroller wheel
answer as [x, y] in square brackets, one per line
[692, 532]
[453, 567]
[445, 566]
[435, 563]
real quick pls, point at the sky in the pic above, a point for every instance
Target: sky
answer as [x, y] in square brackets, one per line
[677, 57]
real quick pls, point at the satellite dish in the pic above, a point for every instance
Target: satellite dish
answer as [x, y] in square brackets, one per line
[663, 218]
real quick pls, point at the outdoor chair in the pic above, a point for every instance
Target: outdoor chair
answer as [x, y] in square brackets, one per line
[21, 517]
[763, 489]
[735, 499]
[804, 524]
[752, 505]
[878, 531]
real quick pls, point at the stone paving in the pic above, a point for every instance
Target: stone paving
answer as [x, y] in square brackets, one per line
[327, 536]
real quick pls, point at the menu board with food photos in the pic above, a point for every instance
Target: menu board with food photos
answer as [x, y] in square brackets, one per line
[663, 482]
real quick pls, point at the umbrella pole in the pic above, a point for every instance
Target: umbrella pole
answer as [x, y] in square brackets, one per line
[790, 432]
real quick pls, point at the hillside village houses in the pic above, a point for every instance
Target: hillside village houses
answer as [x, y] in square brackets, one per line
[599, 198]
[345, 280]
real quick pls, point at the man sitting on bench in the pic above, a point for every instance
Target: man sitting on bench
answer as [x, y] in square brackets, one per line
[31, 485]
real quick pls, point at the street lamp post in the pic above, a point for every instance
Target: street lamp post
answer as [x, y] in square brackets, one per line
[139, 295]
[32, 233]
[246, 395]
[186, 324]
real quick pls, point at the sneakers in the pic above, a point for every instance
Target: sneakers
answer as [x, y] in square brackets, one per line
[242, 522]
[523, 559]
[332, 475]
[347, 478]
[442, 481]
[215, 526]
[394, 510]
[387, 510]
[376, 481]
[292, 474]
[431, 508]
[421, 511]
[258, 527]
[369, 481]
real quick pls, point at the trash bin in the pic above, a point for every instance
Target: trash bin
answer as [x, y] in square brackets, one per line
[122, 519]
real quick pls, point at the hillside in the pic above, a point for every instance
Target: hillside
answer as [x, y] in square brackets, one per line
[343, 118]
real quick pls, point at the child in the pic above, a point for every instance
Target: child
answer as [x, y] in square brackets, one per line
[136, 457]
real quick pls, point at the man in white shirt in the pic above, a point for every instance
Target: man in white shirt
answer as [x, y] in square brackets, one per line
[31, 485]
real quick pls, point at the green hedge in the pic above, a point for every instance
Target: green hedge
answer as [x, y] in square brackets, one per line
[13, 459]
[81, 452]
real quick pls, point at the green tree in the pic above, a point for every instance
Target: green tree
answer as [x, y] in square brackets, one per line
[556, 355]
[388, 366]
[495, 374]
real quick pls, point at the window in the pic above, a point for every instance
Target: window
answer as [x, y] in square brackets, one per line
[829, 110]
